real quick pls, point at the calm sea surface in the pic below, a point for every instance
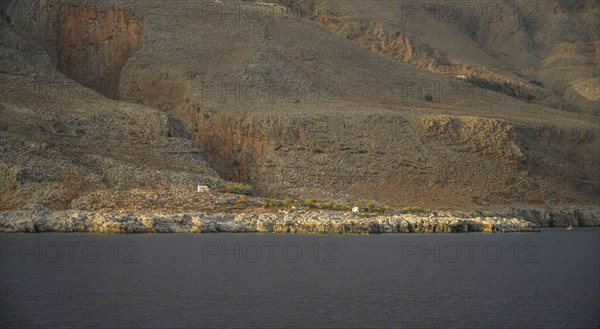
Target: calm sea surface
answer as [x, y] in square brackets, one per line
[538, 280]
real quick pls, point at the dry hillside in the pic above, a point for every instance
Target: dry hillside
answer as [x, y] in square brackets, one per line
[347, 101]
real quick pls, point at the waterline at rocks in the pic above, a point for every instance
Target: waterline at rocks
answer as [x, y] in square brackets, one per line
[309, 222]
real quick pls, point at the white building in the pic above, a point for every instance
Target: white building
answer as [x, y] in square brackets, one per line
[203, 188]
[461, 76]
[355, 210]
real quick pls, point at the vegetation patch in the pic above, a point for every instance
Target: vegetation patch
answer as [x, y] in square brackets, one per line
[238, 188]
[413, 210]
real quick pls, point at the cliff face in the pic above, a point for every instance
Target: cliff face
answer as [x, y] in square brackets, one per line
[363, 109]
[115, 34]
[87, 43]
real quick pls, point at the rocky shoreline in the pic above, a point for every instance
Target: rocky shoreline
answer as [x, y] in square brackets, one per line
[302, 222]
[560, 217]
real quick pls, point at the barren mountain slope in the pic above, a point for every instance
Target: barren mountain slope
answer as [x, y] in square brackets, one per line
[308, 105]
[62, 144]
[547, 50]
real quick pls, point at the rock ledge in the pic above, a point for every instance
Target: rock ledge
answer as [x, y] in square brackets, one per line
[311, 222]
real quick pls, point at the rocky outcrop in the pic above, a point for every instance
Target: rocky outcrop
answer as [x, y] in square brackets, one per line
[490, 137]
[88, 42]
[559, 217]
[308, 222]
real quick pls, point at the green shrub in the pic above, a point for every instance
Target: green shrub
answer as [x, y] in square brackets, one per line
[289, 202]
[383, 209]
[326, 205]
[272, 204]
[239, 188]
[311, 203]
[413, 210]
[341, 207]
[267, 204]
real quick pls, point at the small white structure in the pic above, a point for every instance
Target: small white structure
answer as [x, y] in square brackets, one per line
[355, 210]
[461, 76]
[298, 207]
[203, 188]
